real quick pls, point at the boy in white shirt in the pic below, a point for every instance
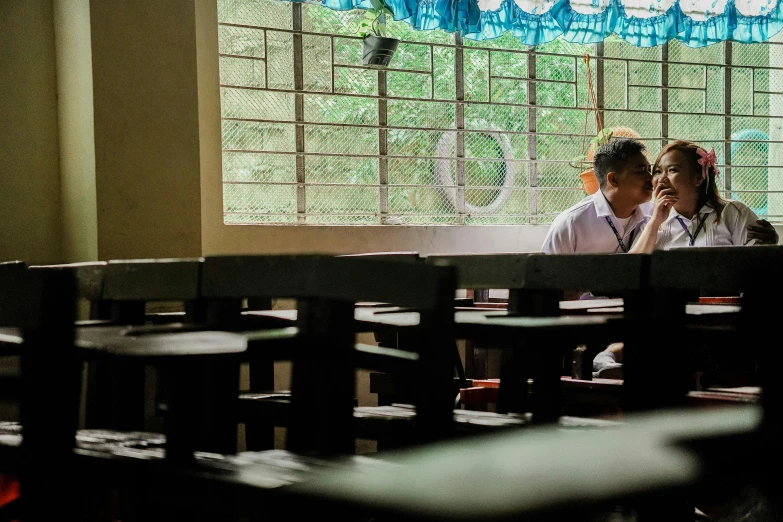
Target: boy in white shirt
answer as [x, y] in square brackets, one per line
[608, 221]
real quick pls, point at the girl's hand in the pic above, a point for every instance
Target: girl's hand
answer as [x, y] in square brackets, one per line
[665, 197]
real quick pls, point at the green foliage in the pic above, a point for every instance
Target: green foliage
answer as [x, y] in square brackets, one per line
[431, 114]
[580, 162]
[374, 20]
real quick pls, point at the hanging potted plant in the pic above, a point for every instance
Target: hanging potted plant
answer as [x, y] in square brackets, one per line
[377, 46]
[584, 163]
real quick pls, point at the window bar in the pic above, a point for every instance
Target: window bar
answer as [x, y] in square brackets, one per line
[753, 91]
[499, 104]
[459, 117]
[396, 69]
[538, 80]
[727, 57]
[489, 76]
[432, 73]
[599, 80]
[301, 202]
[331, 62]
[478, 47]
[627, 89]
[531, 138]
[576, 82]
[704, 91]
[665, 94]
[383, 161]
[266, 62]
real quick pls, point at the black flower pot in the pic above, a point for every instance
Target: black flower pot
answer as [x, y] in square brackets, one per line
[378, 50]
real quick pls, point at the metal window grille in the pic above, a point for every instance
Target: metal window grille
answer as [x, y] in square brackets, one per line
[460, 132]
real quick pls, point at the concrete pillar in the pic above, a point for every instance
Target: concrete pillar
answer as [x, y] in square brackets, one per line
[146, 121]
[79, 225]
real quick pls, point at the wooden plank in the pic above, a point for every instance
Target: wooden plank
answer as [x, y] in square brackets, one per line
[402, 256]
[152, 279]
[587, 304]
[730, 269]
[479, 271]
[642, 456]
[713, 398]
[740, 390]
[89, 277]
[598, 273]
[478, 395]
[349, 279]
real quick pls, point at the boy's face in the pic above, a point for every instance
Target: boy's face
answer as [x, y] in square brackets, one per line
[634, 181]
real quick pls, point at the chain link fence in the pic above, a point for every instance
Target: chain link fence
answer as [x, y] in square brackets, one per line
[468, 133]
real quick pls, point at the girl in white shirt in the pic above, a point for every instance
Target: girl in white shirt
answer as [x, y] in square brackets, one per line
[688, 209]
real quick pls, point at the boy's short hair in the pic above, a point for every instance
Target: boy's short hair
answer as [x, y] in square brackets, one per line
[613, 155]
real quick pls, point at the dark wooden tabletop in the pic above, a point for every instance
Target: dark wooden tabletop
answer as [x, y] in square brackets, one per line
[533, 470]
[143, 343]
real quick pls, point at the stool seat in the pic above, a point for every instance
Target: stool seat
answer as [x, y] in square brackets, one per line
[10, 340]
[138, 342]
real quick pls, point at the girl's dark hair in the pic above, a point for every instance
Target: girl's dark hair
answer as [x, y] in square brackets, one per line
[708, 195]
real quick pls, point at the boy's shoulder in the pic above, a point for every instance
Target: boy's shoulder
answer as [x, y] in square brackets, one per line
[737, 211]
[584, 207]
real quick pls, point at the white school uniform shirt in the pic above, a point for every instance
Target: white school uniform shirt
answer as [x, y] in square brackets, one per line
[583, 228]
[732, 229]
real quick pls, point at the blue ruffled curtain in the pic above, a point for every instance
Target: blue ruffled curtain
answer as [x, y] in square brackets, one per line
[644, 23]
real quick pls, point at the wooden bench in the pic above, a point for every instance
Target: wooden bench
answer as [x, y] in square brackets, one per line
[676, 276]
[665, 300]
[667, 458]
[537, 285]
[121, 293]
[324, 354]
[509, 329]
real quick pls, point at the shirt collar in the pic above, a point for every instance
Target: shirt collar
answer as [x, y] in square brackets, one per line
[706, 209]
[603, 209]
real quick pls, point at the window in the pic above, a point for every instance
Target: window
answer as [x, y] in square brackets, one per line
[467, 133]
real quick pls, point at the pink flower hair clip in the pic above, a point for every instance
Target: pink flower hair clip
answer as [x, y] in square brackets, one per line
[707, 160]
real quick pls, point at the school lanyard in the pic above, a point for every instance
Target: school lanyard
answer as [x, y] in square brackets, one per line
[617, 235]
[698, 228]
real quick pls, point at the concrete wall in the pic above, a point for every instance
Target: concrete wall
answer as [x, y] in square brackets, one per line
[29, 163]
